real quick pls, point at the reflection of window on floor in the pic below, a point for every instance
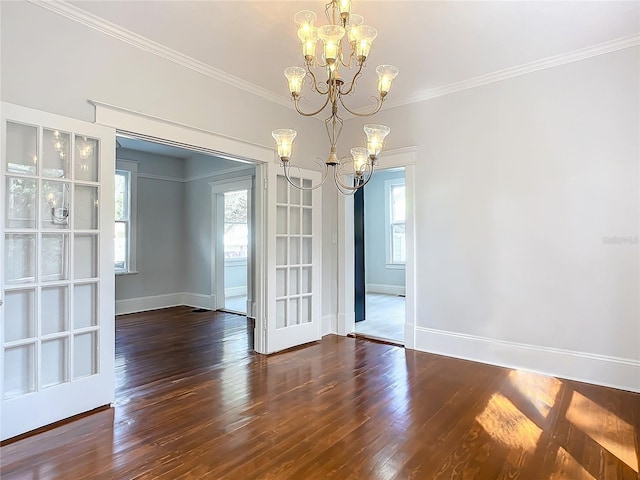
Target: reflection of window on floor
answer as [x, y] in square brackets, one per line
[125, 214]
[395, 226]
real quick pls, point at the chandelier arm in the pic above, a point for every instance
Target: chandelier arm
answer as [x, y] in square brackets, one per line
[316, 85]
[312, 113]
[348, 64]
[377, 109]
[348, 188]
[357, 75]
[287, 166]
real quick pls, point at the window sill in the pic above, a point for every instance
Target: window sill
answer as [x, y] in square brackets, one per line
[132, 272]
[395, 266]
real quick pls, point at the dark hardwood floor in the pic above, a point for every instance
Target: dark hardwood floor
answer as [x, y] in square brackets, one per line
[194, 402]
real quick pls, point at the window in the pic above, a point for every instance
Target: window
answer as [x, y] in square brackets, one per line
[236, 231]
[395, 190]
[125, 215]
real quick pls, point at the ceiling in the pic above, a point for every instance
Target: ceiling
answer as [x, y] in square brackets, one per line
[434, 43]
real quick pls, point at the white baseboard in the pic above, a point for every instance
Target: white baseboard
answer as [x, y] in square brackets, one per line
[387, 289]
[199, 300]
[142, 304]
[155, 302]
[622, 373]
[235, 291]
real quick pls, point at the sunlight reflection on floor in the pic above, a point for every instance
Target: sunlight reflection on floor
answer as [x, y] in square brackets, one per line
[605, 428]
[505, 423]
[540, 390]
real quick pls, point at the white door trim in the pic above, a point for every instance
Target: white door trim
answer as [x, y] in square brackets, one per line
[146, 126]
[401, 157]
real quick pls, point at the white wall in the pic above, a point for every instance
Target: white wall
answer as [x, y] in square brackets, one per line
[160, 228]
[518, 184]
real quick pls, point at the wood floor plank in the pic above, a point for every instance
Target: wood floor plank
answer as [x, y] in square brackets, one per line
[194, 401]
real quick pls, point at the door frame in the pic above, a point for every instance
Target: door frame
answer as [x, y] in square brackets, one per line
[143, 126]
[218, 189]
[401, 157]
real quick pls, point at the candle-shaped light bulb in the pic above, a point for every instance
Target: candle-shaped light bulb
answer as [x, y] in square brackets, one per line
[355, 21]
[386, 74]
[360, 159]
[331, 36]
[284, 140]
[375, 139]
[295, 76]
[364, 39]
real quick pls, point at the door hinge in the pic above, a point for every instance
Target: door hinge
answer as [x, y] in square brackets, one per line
[266, 183]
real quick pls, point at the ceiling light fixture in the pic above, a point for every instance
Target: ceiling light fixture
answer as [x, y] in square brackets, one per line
[360, 38]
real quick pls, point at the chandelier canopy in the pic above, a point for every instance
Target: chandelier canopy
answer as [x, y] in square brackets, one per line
[346, 44]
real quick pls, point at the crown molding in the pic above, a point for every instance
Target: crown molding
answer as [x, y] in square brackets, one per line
[101, 25]
[542, 64]
[76, 14]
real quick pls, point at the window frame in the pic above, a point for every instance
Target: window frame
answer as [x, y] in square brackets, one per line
[131, 169]
[389, 186]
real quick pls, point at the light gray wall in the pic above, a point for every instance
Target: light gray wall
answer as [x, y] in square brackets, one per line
[161, 251]
[518, 184]
[376, 270]
[198, 226]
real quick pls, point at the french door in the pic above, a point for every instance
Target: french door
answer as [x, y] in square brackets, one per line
[293, 259]
[56, 268]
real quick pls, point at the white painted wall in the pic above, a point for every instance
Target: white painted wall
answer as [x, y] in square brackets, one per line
[517, 185]
[161, 248]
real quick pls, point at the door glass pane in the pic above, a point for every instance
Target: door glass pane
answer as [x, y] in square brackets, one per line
[55, 256]
[84, 355]
[22, 148]
[281, 220]
[21, 203]
[85, 256]
[281, 313]
[86, 162]
[305, 309]
[294, 251]
[306, 280]
[86, 207]
[55, 154]
[19, 371]
[19, 314]
[295, 220]
[54, 362]
[85, 305]
[281, 282]
[306, 221]
[54, 201]
[294, 286]
[293, 312]
[55, 309]
[306, 250]
[281, 251]
[20, 258]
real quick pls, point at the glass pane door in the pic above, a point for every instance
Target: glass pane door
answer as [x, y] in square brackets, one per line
[58, 298]
[294, 256]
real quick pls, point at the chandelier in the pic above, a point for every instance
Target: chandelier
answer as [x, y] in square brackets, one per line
[335, 56]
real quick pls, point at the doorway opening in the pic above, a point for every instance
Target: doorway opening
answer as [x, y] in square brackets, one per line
[380, 257]
[173, 222]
